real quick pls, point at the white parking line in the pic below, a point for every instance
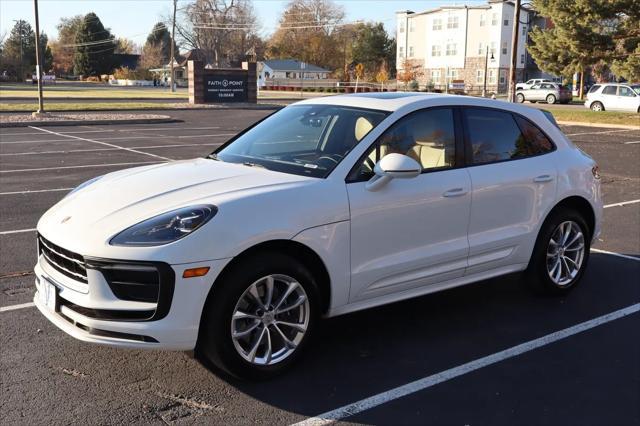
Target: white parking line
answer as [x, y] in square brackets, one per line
[13, 154]
[102, 143]
[112, 130]
[80, 167]
[623, 203]
[601, 133]
[430, 381]
[16, 307]
[624, 256]
[17, 231]
[631, 143]
[35, 191]
[121, 138]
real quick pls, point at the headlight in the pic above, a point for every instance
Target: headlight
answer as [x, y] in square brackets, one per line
[83, 185]
[165, 228]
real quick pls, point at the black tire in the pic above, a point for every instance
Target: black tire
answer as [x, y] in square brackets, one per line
[215, 343]
[597, 106]
[551, 99]
[537, 274]
[520, 98]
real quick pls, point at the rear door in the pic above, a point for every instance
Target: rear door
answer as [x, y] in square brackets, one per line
[609, 98]
[513, 185]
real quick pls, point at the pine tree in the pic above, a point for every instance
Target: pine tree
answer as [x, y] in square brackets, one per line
[94, 48]
[159, 36]
[19, 50]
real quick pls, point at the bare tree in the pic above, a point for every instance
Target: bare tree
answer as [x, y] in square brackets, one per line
[222, 30]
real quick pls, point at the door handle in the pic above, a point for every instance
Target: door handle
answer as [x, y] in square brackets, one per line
[543, 178]
[456, 192]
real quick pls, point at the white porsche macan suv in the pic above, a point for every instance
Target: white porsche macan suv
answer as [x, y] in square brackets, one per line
[328, 206]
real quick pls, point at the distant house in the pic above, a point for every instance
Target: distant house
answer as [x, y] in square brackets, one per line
[289, 69]
[126, 60]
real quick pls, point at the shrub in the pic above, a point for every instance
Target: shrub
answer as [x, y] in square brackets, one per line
[414, 85]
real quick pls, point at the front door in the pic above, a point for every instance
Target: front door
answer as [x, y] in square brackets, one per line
[411, 232]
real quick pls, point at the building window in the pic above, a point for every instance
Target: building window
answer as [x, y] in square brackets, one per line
[452, 74]
[524, 30]
[494, 19]
[435, 76]
[452, 49]
[411, 51]
[401, 26]
[503, 76]
[493, 48]
[522, 59]
[483, 19]
[401, 51]
[479, 76]
[504, 48]
[492, 76]
[437, 24]
[435, 50]
[452, 22]
[411, 26]
[506, 22]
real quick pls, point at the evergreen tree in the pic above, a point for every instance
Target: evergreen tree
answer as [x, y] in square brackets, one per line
[160, 37]
[585, 33]
[94, 46]
[19, 50]
[372, 46]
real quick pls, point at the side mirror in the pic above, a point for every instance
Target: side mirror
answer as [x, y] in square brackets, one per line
[393, 166]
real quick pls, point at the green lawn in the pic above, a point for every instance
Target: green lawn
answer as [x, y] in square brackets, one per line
[98, 106]
[588, 116]
[65, 90]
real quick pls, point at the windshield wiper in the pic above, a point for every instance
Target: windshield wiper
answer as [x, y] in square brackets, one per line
[247, 163]
[213, 157]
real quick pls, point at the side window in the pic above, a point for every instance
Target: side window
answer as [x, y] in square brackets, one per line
[535, 86]
[625, 91]
[493, 135]
[534, 143]
[427, 136]
[594, 88]
[609, 90]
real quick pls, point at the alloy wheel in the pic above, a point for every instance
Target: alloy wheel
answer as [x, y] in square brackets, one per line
[565, 253]
[270, 319]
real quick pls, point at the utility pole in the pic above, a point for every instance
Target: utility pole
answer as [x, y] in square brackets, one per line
[514, 52]
[38, 61]
[173, 44]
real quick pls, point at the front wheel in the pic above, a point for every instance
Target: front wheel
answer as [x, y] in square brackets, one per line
[260, 317]
[561, 253]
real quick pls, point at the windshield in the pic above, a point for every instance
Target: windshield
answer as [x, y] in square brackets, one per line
[308, 140]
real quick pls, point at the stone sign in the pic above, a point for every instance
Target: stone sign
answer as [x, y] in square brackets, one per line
[222, 85]
[225, 88]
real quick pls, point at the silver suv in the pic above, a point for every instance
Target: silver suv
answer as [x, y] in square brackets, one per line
[614, 97]
[547, 91]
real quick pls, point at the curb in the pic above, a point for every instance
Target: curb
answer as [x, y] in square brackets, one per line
[98, 99]
[87, 122]
[599, 125]
[270, 106]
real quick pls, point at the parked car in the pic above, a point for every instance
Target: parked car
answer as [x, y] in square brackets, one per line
[614, 97]
[328, 206]
[547, 92]
[532, 82]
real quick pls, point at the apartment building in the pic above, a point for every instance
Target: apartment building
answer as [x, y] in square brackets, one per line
[451, 43]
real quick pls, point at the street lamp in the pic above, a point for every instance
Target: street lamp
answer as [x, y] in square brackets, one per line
[486, 65]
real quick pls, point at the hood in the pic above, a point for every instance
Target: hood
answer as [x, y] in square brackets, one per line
[121, 199]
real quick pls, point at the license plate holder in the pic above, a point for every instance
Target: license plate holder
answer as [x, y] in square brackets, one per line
[48, 294]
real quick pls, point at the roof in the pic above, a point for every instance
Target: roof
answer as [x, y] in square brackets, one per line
[393, 101]
[291, 65]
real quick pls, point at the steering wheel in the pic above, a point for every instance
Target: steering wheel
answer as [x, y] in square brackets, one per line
[334, 158]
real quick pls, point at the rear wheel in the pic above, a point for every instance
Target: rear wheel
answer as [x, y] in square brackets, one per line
[551, 99]
[520, 98]
[561, 253]
[597, 106]
[260, 316]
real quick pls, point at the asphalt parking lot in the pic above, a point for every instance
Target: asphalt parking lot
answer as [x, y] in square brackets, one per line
[450, 356]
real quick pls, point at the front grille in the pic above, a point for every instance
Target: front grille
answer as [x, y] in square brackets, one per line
[64, 261]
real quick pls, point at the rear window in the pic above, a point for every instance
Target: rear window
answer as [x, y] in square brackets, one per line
[609, 90]
[594, 88]
[636, 88]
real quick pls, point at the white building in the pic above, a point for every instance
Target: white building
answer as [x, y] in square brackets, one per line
[451, 43]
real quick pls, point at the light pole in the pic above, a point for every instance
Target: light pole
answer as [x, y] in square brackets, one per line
[173, 43]
[486, 65]
[514, 52]
[38, 61]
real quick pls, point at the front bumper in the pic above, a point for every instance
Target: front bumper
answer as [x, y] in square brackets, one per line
[92, 313]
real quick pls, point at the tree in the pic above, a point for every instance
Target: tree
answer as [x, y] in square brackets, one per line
[19, 51]
[62, 47]
[223, 30]
[160, 38]
[372, 46]
[409, 72]
[125, 46]
[152, 57]
[585, 33]
[94, 46]
[307, 31]
[383, 75]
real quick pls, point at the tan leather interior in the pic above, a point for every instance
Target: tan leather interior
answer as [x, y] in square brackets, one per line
[363, 126]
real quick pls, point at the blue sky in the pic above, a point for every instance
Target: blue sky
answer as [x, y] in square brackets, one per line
[134, 19]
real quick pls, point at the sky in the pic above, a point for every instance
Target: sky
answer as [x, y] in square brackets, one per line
[134, 19]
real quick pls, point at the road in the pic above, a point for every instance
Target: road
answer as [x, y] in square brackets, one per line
[591, 377]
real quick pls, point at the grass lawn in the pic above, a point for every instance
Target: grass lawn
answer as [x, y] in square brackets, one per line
[98, 106]
[588, 116]
[68, 91]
